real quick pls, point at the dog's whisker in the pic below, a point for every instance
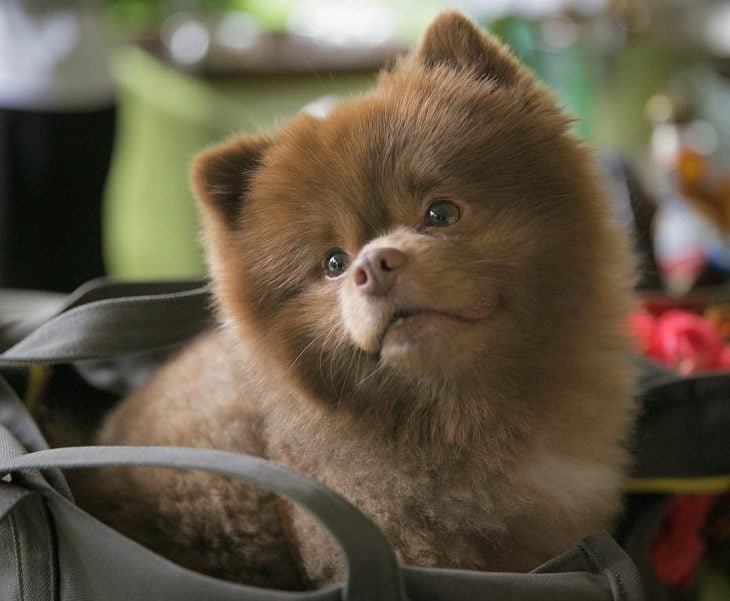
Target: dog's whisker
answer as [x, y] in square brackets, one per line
[353, 358]
[304, 350]
[332, 330]
[378, 368]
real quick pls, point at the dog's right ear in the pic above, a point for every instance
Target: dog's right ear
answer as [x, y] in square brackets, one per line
[454, 41]
[221, 177]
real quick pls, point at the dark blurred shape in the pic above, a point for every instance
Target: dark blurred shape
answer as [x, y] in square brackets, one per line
[56, 131]
[53, 168]
[637, 207]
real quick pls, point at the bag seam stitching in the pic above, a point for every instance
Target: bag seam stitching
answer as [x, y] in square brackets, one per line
[597, 561]
[50, 555]
[18, 562]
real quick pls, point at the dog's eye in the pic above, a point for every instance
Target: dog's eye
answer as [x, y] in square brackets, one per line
[442, 213]
[336, 263]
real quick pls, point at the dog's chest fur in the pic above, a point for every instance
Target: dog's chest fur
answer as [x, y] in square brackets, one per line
[436, 503]
[472, 508]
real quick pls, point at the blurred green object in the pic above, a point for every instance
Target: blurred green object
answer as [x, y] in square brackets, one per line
[165, 118]
[605, 87]
[568, 71]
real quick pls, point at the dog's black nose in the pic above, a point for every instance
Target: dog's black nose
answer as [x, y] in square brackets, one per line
[375, 270]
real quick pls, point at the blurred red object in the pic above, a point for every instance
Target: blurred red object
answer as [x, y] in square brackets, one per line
[680, 543]
[682, 340]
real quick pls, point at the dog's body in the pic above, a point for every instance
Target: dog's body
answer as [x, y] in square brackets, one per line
[421, 299]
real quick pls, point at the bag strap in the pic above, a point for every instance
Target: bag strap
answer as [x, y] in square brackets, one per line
[373, 572]
[25, 434]
[109, 288]
[105, 319]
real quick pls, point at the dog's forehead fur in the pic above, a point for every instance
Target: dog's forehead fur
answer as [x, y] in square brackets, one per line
[458, 121]
[458, 118]
[366, 168]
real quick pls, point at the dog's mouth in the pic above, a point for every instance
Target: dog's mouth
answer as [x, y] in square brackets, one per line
[416, 322]
[403, 316]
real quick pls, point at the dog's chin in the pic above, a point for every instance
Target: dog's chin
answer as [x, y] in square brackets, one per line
[408, 331]
[424, 339]
[431, 342]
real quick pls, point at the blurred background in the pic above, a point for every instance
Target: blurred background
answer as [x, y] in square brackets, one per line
[104, 102]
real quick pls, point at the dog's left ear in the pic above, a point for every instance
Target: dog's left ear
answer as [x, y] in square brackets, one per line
[221, 177]
[454, 41]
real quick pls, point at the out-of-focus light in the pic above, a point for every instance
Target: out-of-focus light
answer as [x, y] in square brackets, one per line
[537, 9]
[718, 30]
[665, 145]
[490, 9]
[659, 108]
[342, 23]
[321, 107]
[559, 33]
[701, 137]
[186, 38]
[237, 31]
[533, 9]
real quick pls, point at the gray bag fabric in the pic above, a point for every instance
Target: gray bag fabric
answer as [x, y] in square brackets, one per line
[50, 549]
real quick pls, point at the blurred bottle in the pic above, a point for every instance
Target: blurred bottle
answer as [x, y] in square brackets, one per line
[692, 226]
[56, 130]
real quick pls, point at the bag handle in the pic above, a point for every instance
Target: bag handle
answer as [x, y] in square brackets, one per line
[105, 319]
[372, 570]
[109, 288]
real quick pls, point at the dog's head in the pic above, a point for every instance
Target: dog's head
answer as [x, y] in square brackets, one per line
[438, 234]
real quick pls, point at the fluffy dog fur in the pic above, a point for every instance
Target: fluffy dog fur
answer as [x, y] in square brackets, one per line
[466, 385]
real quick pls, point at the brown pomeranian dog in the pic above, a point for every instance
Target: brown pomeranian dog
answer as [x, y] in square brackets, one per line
[421, 301]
